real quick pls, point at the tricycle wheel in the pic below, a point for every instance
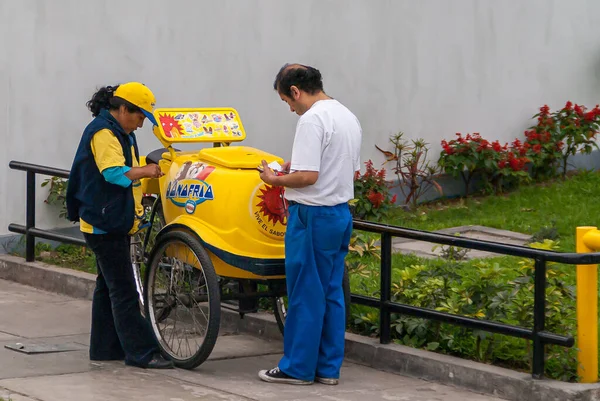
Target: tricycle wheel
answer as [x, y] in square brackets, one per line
[182, 299]
[280, 304]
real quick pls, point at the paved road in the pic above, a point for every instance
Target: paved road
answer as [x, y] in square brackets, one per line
[30, 316]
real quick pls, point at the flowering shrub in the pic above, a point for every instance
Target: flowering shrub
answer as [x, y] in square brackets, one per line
[544, 145]
[572, 126]
[496, 163]
[577, 129]
[461, 157]
[371, 194]
[512, 166]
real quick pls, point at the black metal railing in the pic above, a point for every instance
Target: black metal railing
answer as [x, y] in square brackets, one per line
[537, 335]
[29, 229]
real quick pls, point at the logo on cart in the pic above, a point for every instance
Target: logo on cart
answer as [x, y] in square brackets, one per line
[189, 188]
[270, 210]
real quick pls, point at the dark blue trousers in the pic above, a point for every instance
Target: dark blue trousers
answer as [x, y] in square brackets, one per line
[316, 243]
[119, 331]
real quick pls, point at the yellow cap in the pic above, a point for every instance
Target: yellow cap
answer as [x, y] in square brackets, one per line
[139, 95]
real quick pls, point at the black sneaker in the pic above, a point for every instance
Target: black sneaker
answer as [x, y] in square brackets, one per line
[157, 362]
[327, 380]
[277, 376]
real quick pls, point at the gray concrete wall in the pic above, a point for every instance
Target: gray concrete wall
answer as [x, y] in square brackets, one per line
[429, 68]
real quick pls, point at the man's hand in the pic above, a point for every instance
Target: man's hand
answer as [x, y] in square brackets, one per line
[267, 175]
[286, 167]
[297, 179]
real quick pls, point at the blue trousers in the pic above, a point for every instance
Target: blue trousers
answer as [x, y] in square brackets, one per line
[119, 331]
[316, 243]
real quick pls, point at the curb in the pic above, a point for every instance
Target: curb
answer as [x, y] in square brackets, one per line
[46, 277]
[393, 358]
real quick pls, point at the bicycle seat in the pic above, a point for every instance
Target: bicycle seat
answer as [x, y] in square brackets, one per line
[154, 156]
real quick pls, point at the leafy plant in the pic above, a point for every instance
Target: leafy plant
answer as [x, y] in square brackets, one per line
[544, 145]
[360, 250]
[546, 232]
[577, 128]
[57, 194]
[415, 173]
[496, 289]
[512, 166]
[452, 253]
[471, 155]
[372, 197]
[572, 126]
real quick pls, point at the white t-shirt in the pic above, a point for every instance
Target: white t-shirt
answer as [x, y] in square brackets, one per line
[328, 139]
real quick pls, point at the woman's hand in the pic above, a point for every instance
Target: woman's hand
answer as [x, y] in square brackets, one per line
[152, 171]
[147, 171]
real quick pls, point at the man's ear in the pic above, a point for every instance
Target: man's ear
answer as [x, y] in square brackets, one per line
[295, 92]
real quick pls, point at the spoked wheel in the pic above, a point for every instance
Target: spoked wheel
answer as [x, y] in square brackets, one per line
[182, 299]
[280, 304]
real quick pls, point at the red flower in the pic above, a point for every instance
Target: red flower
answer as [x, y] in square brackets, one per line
[370, 170]
[394, 198]
[502, 164]
[559, 145]
[578, 110]
[496, 146]
[590, 116]
[544, 110]
[568, 106]
[447, 148]
[537, 148]
[375, 198]
[521, 163]
[546, 137]
[483, 145]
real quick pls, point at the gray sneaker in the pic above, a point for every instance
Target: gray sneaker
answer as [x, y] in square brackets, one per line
[327, 380]
[277, 376]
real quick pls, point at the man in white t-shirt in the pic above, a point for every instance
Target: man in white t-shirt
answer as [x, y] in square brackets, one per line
[319, 184]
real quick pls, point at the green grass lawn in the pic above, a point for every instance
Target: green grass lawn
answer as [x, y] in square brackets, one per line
[565, 204]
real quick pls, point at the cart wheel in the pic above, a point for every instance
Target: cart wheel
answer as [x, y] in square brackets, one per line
[182, 299]
[280, 304]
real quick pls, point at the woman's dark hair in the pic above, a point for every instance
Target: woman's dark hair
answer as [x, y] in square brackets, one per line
[303, 77]
[105, 99]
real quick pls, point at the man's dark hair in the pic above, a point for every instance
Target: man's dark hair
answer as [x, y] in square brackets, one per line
[303, 77]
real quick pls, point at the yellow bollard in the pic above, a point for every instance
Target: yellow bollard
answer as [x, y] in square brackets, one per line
[588, 240]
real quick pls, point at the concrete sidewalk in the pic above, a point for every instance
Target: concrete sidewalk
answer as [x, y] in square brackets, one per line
[29, 316]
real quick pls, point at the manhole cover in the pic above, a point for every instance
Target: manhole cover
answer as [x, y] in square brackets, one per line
[43, 348]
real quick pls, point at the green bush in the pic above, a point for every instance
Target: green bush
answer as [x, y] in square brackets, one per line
[372, 197]
[496, 289]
